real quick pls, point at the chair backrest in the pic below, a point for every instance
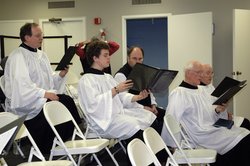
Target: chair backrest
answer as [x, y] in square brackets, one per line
[175, 131]
[9, 126]
[5, 137]
[56, 113]
[155, 143]
[23, 132]
[2, 83]
[140, 155]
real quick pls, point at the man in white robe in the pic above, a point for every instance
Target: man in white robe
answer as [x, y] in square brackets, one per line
[191, 107]
[113, 112]
[135, 55]
[206, 84]
[30, 82]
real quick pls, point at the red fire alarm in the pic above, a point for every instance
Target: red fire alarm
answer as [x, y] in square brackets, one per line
[97, 20]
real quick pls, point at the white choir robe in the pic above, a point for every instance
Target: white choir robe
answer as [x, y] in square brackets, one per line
[224, 115]
[112, 117]
[191, 108]
[208, 89]
[27, 76]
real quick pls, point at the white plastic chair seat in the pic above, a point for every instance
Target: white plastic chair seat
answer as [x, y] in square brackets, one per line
[48, 163]
[196, 156]
[82, 146]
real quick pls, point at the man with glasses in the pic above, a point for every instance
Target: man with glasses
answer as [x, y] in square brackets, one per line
[30, 82]
[206, 84]
[191, 108]
[135, 55]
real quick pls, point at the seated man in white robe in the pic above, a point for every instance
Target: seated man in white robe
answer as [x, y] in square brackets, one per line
[135, 55]
[190, 106]
[206, 84]
[113, 112]
[30, 82]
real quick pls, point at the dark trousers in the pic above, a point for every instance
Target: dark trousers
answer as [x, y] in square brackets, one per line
[239, 155]
[41, 131]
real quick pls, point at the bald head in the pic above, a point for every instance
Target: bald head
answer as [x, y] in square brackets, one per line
[193, 71]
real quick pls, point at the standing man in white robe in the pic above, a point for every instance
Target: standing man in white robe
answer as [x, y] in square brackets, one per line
[190, 106]
[206, 84]
[113, 112]
[30, 82]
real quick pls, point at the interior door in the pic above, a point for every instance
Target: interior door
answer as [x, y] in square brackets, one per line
[241, 55]
[75, 27]
[189, 38]
[151, 35]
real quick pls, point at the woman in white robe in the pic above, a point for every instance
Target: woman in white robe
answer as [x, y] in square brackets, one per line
[113, 112]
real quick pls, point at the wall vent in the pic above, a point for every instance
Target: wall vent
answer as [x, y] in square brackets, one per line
[141, 2]
[61, 4]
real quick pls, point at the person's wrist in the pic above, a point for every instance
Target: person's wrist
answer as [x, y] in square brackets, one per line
[116, 90]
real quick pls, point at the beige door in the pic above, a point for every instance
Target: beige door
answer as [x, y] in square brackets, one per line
[190, 38]
[54, 48]
[241, 59]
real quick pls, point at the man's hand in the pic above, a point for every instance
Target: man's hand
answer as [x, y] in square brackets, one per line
[221, 108]
[142, 95]
[155, 111]
[230, 116]
[124, 86]
[64, 72]
[151, 110]
[51, 96]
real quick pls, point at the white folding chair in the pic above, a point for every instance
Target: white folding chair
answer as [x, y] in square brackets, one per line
[2, 84]
[56, 113]
[156, 144]
[5, 136]
[71, 89]
[34, 151]
[187, 156]
[140, 155]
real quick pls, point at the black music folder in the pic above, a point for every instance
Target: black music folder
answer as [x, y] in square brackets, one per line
[224, 123]
[65, 61]
[151, 78]
[227, 89]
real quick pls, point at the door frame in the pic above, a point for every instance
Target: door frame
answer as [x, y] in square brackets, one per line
[82, 19]
[82, 37]
[124, 29]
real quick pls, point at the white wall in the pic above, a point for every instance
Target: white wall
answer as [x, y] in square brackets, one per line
[111, 12]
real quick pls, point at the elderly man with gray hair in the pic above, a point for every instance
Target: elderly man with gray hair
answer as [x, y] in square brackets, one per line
[189, 106]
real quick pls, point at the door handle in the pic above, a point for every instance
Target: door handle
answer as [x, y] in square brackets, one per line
[238, 73]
